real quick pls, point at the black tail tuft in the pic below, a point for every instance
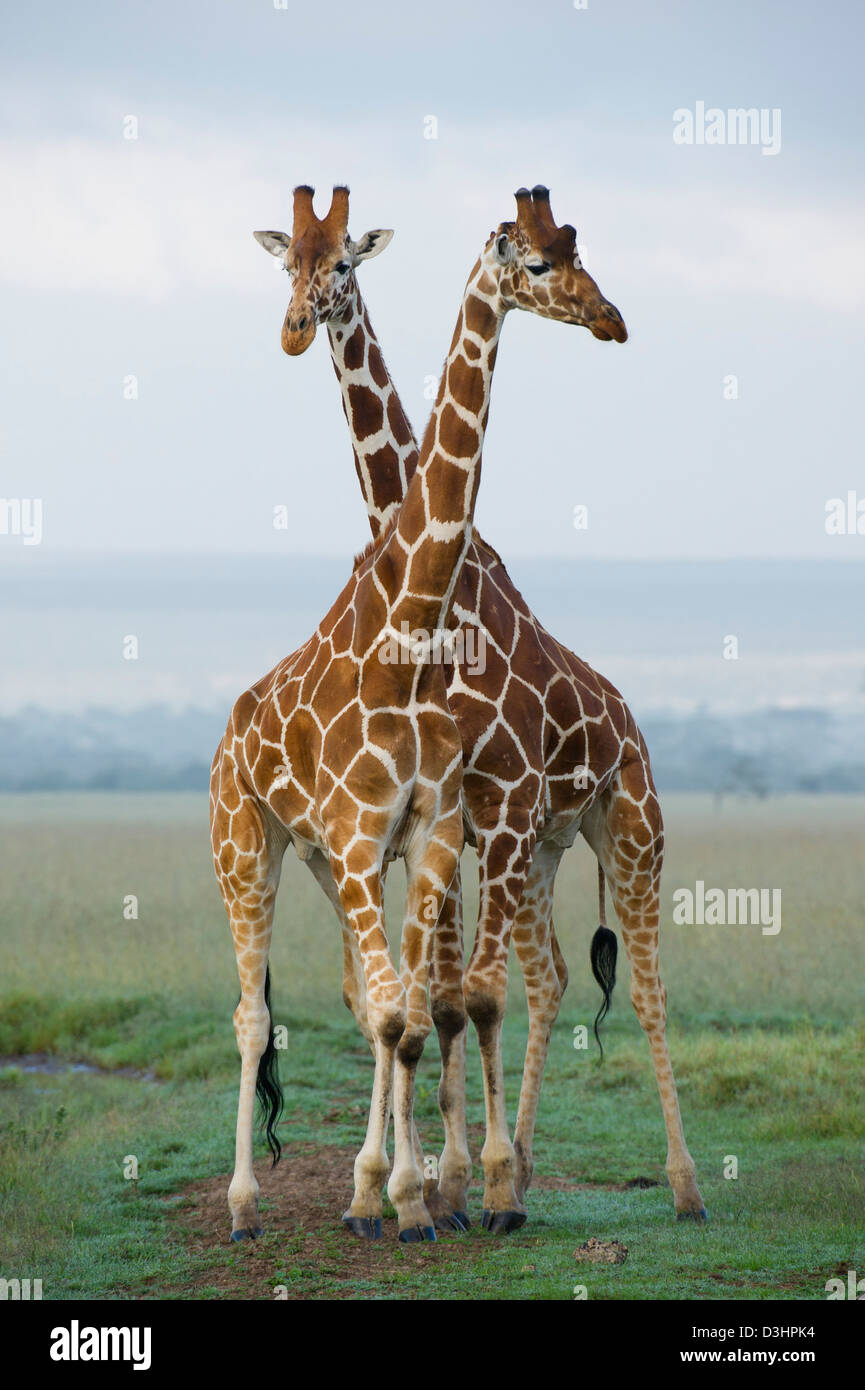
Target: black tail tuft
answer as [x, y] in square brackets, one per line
[605, 949]
[267, 1086]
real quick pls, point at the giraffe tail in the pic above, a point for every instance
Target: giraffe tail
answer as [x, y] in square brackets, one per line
[267, 1085]
[605, 949]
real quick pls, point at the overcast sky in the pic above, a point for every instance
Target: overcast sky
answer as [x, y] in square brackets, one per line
[124, 257]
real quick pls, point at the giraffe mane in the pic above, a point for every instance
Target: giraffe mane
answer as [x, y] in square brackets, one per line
[372, 547]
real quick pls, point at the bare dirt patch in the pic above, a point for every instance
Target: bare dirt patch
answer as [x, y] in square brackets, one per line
[305, 1246]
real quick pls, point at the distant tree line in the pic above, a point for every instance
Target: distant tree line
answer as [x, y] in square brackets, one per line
[760, 754]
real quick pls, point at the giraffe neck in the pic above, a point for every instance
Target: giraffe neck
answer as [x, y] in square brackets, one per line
[385, 449]
[419, 564]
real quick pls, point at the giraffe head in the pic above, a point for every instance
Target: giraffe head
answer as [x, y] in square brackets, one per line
[536, 266]
[320, 257]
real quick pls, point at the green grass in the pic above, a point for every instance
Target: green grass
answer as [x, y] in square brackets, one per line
[765, 1035]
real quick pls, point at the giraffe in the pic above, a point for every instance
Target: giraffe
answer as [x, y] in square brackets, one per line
[357, 758]
[386, 455]
[588, 721]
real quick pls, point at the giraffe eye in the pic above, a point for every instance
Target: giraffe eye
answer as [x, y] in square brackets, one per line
[539, 269]
[342, 268]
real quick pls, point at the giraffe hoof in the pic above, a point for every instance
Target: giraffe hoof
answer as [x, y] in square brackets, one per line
[246, 1233]
[367, 1227]
[698, 1216]
[457, 1221]
[499, 1223]
[415, 1234]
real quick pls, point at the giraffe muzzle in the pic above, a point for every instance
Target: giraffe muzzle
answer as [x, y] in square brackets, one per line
[298, 331]
[608, 324]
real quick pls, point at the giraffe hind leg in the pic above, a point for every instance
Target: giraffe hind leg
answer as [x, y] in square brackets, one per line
[248, 858]
[625, 830]
[446, 1195]
[545, 975]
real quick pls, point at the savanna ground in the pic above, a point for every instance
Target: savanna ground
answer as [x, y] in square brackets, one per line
[766, 1035]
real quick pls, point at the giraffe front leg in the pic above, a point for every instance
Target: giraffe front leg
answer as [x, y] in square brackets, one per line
[405, 1186]
[364, 1214]
[353, 983]
[430, 870]
[431, 865]
[485, 989]
[360, 897]
[387, 1021]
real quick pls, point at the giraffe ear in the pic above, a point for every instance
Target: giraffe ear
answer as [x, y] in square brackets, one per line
[504, 247]
[277, 243]
[370, 244]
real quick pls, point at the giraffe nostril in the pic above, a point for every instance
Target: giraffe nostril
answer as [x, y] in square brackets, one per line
[302, 323]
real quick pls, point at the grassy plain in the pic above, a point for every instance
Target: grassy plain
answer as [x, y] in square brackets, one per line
[766, 1035]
